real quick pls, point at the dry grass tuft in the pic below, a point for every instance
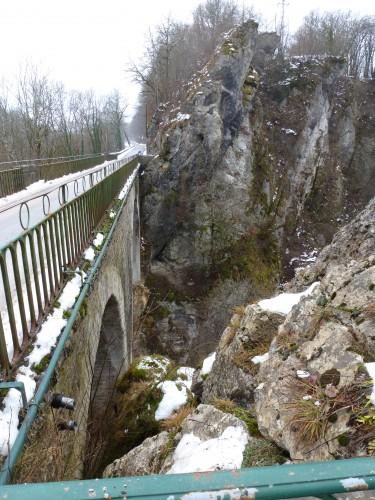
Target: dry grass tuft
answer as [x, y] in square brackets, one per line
[174, 422]
[316, 405]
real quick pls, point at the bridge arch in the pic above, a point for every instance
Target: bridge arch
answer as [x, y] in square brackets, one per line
[110, 358]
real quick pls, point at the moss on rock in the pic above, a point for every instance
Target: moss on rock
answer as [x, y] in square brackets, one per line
[261, 452]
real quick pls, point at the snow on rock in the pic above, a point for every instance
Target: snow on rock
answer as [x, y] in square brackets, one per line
[45, 341]
[288, 131]
[207, 364]
[156, 363]
[302, 374]
[284, 303]
[89, 254]
[224, 452]
[260, 358]
[371, 371]
[182, 116]
[305, 258]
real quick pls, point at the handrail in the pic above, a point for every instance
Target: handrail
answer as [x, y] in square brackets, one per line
[33, 266]
[48, 160]
[61, 158]
[15, 179]
[95, 175]
[314, 479]
[44, 384]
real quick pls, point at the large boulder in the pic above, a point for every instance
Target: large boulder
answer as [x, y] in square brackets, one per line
[140, 461]
[208, 439]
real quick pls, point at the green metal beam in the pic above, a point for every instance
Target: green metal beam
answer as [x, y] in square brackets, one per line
[319, 479]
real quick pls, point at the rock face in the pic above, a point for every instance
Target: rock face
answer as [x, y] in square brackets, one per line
[301, 372]
[316, 360]
[233, 375]
[197, 202]
[262, 163]
[140, 461]
[169, 453]
[311, 391]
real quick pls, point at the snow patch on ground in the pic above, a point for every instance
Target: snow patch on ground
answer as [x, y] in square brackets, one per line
[284, 303]
[175, 396]
[175, 393]
[288, 131]
[222, 453]
[208, 363]
[98, 241]
[89, 254]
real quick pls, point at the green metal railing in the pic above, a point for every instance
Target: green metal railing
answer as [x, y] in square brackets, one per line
[52, 171]
[33, 267]
[11, 181]
[19, 176]
[319, 479]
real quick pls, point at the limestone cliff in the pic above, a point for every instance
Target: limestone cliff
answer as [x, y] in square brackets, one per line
[260, 165]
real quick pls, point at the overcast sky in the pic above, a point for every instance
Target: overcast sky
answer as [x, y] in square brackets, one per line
[87, 43]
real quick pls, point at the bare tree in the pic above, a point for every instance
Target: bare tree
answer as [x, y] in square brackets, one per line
[35, 97]
[339, 34]
[114, 119]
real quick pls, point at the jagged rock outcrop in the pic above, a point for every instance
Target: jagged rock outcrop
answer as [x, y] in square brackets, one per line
[311, 391]
[196, 203]
[233, 375]
[262, 163]
[198, 446]
[327, 337]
